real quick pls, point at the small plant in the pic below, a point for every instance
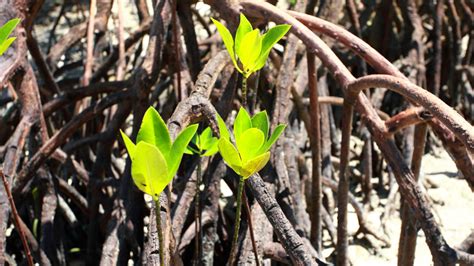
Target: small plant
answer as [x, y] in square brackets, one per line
[5, 32]
[203, 145]
[250, 154]
[155, 159]
[249, 51]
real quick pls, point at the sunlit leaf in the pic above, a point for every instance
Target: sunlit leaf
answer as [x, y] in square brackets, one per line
[177, 150]
[260, 121]
[249, 50]
[242, 122]
[128, 144]
[149, 170]
[4, 46]
[255, 165]
[244, 28]
[228, 41]
[269, 39]
[153, 130]
[273, 35]
[276, 133]
[249, 143]
[8, 28]
[223, 131]
[230, 155]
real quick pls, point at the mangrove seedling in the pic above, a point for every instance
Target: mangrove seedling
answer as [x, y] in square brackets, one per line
[155, 159]
[249, 50]
[5, 31]
[250, 154]
[203, 145]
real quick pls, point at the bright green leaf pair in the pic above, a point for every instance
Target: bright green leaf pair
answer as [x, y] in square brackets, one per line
[252, 141]
[5, 31]
[155, 159]
[205, 144]
[250, 48]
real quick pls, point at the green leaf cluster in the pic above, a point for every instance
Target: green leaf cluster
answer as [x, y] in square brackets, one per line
[5, 31]
[249, 51]
[155, 159]
[205, 144]
[253, 143]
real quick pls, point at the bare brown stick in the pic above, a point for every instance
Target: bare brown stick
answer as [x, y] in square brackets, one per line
[121, 67]
[90, 44]
[453, 120]
[287, 235]
[176, 41]
[343, 188]
[315, 138]
[249, 220]
[16, 220]
[406, 118]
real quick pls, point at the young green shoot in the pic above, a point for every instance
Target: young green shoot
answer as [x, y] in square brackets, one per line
[155, 159]
[203, 145]
[5, 31]
[249, 155]
[249, 50]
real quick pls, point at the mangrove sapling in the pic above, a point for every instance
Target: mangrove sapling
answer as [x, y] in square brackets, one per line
[248, 156]
[249, 51]
[155, 159]
[203, 145]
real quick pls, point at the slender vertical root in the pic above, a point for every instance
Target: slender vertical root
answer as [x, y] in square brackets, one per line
[158, 229]
[244, 91]
[315, 138]
[342, 194]
[16, 220]
[252, 236]
[197, 215]
[233, 251]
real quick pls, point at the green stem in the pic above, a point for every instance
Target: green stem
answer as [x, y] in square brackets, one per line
[158, 229]
[244, 91]
[233, 250]
[197, 215]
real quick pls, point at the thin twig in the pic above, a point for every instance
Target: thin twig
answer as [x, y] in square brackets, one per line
[16, 220]
[233, 251]
[252, 236]
[159, 230]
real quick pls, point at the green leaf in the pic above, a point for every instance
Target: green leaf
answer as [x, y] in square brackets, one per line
[260, 121]
[230, 155]
[242, 122]
[255, 165]
[276, 133]
[206, 139]
[262, 59]
[8, 28]
[269, 39]
[273, 35]
[177, 150]
[249, 143]
[129, 145]
[153, 130]
[244, 28]
[228, 41]
[249, 50]
[223, 131]
[4, 46]
[213, 149]
[149, 170]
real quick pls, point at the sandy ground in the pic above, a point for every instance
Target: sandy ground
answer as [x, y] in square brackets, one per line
[453, 204]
